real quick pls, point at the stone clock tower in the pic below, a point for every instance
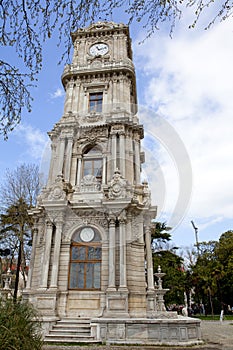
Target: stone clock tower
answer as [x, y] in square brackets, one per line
[91, 265]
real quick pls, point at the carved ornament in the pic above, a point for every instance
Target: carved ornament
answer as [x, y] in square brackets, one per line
[89, 183]
[92, 117]
[59, 189]
[94, 133]
[117, 187]
[116, 129]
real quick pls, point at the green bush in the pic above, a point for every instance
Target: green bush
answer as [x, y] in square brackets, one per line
[19, 326]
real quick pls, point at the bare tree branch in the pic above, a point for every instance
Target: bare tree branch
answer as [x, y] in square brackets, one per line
[21, 183]
[26, 24]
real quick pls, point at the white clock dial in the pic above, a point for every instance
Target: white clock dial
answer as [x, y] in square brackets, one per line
[99, 49]
[87, 234]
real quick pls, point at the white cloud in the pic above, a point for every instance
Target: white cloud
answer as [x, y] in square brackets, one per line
[189, 82]
[35, 140]
[57, 94]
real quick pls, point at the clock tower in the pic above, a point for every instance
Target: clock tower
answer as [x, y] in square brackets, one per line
[91, 255]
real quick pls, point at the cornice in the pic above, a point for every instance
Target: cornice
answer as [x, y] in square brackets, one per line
[100, 29]
[124, 67]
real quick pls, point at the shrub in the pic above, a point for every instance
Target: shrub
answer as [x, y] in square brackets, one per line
[20, 328]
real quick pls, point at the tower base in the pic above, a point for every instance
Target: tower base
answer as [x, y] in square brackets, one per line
[160, 331]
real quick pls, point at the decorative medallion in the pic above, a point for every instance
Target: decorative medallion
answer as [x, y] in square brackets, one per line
[117, 186]
[87, 234]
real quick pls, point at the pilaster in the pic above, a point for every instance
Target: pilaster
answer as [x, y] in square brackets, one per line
[123, 276]
[56, 255]
[32, 261]
[47, 255]
[112, 255]
[68, 159]
[69, 94]
[122, 153]
[61, 156]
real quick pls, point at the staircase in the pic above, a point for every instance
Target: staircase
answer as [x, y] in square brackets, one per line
[70, 331]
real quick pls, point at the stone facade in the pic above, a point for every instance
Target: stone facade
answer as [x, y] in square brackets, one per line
[92, 222]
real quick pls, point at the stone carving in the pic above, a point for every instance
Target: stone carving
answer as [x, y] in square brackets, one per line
[118, 128]
[55, 216]
[117, 188]
[121, 331]
[57, 193]
[58, 190]
[101, 25]
[89, 183]
[94, 134]
[92, 117]
[146, 194]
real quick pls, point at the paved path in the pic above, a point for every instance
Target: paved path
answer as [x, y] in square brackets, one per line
[216, 336]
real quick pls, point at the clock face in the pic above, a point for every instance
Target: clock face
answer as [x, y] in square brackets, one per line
[87, 234]
[99, 49]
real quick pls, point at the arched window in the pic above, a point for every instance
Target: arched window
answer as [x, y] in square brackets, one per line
[93, 162]
[85, 260]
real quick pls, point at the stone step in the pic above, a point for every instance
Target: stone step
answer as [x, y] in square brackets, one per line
[75, 320]
[70, 331]
[70, 339]
[71, 325]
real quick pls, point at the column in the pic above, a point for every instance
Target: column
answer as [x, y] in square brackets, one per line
[122, 92]
[114, 91]
[56, 255]
[112, 255]
[109, 160]
[68, 159]
[68, 101]
[73, 168]
[114, 165]
[52, 163]
[76, 97]
[130, 164]
[140, 233]
[137, 161]
[123, 278]
[32, 260]
[47, 254]
[104, 171]
[79, 167]
[122, 154]
[150, 276]
[61, 157]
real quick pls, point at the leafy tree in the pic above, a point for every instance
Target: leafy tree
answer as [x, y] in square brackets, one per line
[16, 227]
[25, 25]
[175, 276]
[206, 274]
[223, 275]
[18, 194]
[19, 326]
[171, 264]
[159, 235]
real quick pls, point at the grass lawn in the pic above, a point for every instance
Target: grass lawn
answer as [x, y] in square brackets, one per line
[214, 317]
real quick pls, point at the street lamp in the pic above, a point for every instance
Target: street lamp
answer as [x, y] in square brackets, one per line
[196, 236]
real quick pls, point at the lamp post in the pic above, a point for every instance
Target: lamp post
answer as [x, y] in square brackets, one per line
[196, 237]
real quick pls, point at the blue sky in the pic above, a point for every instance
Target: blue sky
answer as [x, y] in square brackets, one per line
[187, 82]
